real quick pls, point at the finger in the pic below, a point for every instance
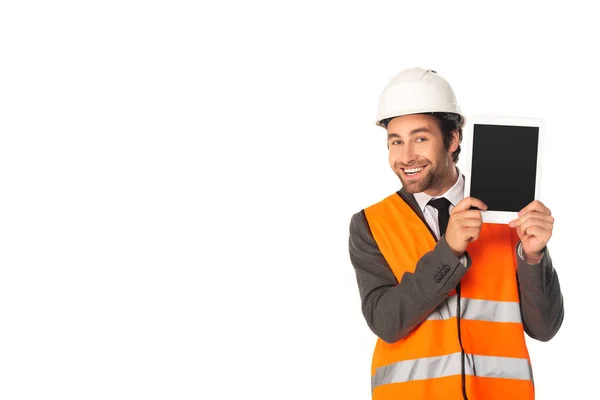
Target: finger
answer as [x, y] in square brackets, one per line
[534, 230]
[467, 203]
[535, 205]
[531, 215]
[467, 214]
[521, 233]
[531, 222]
[537, 231]
[472, 234]
[470, 223]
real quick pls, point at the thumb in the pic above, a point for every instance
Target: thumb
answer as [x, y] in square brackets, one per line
[467, 203]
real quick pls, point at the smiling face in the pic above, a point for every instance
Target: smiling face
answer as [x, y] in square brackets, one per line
[418, 156]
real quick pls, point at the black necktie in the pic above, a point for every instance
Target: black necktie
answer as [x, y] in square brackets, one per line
[443, 206]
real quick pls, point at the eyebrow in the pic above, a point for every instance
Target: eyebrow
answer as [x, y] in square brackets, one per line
[413, 132]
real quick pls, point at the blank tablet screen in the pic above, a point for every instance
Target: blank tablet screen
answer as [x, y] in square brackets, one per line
[503, 168]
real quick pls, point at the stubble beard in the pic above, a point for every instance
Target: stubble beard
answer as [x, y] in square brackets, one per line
[434, 178]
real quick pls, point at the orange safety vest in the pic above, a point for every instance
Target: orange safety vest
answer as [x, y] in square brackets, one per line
[480, 355]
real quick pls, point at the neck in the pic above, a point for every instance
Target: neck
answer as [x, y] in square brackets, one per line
[444, 184]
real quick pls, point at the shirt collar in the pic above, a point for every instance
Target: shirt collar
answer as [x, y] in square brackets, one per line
[455, 194]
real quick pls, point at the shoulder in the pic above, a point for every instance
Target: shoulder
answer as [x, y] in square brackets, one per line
[358, 223]
[358, 220]
[383, 203]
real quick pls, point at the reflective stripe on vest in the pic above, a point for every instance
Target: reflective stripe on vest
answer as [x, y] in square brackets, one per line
[481, 310]
[438, 367]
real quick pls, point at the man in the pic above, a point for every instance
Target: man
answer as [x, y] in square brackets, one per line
[449, 297]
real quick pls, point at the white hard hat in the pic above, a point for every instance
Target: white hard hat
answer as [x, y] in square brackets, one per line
[416, 91]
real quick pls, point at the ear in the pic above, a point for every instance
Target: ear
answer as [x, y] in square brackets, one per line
[454, 141]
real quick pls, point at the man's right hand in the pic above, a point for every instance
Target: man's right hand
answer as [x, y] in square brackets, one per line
[464, 224]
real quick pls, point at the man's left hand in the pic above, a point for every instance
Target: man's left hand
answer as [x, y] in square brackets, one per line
[534, 228]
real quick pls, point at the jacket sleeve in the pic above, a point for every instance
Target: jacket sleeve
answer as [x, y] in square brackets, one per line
[393, 309]
[541, 299]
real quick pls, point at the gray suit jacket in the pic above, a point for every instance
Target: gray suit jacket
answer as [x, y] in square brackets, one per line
[392, 310]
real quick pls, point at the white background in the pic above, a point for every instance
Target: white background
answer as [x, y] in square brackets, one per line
[177, 179]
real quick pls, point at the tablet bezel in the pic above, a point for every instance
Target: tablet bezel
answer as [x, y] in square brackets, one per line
[500, 217]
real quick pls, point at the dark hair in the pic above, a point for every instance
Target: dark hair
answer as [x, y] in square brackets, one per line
[448, 122]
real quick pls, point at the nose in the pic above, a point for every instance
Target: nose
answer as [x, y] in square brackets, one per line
[408, 154]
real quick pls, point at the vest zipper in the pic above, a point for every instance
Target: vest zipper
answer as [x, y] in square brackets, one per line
[462, 350]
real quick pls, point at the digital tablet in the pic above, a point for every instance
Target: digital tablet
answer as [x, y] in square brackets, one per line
[503, 158]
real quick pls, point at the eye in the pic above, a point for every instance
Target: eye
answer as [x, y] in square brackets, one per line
[421, 139]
